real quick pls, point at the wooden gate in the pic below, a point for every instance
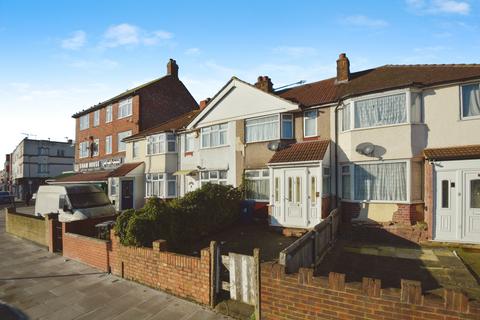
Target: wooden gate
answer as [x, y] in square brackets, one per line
[57, 236]
[239, 276]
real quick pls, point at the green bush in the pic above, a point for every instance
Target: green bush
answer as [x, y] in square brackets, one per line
[183, 220]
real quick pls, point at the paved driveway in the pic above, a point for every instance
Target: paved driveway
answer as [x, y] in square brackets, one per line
[41, 285]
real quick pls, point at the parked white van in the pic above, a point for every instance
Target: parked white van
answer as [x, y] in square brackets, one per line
[73, 202]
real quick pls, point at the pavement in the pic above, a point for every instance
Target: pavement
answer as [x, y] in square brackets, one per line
[35, 284]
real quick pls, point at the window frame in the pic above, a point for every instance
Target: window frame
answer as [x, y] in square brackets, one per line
[328, 177]
[462, 117]
[84, 122]
[96, 118]
[109, 113]
[315, 121]
[108, 144]
[209, 131]
[217, 180]
[119, 141]
[135, 149]
[96, 152]
[83, 150]
[158, 140]
[121, 105]
[189, 137]
[261, 176]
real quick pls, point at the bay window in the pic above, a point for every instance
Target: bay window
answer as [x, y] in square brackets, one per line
[161, 143]
[310, 123]
[161, 185]
[125, 108]
[214, 136]
[380, 111]
[269, 128]
[470, 100]
[213, 176]
[381, 181]
[257, 184]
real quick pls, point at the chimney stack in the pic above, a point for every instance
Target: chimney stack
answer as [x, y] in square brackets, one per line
[204, 103]
[172, 68]
[264, 83]
[343, 68]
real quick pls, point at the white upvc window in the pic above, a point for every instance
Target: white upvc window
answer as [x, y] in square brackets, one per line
[257, 184]
[108, 144]
[214, 136]
[326, 180]
[113, 186]
[310, 123]
[84, 122]
[346, 184]
[96, 118]
[135, 149]
[381, 181]
[121, 146]
[269, 128]
[125, 108]
[213, 176]
[189, 142]
[96, 147]
[108, 113]
[470, 101]
[161, 143]
[161, 185]
[83, 149]
[346, 116]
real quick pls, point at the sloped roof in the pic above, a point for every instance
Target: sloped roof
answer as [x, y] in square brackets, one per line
[302, 151]
[383, 78]
[124, 169]
[453, 153]
[176, 123]
[125, 94]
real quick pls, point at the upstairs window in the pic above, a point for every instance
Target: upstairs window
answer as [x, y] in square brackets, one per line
[471, 100]
[108, 144]
[135, 149]
[381, 111]
[189, 142]
[108, 114]
[161, 143]
[122, 135]
[214, 136]
[125, 108]
[310, 123]
[96, 118]
[84, 122]
[261, 129]
[287, 126]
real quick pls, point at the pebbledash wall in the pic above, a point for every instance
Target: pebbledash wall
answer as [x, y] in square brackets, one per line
[184, 276]
[303, 296]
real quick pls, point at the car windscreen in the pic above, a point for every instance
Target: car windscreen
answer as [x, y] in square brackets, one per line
[4, 193]
[87, 197]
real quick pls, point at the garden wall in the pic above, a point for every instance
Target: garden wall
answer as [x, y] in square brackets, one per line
[27, 227]
[303, 296]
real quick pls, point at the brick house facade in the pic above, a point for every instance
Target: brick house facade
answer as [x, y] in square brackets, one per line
[137, 109]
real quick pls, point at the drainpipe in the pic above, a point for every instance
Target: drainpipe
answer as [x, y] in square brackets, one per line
[337, 202]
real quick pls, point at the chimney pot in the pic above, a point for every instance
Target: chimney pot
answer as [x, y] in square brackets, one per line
[343, 68]
[172, 68]
[204, 103]
[264, 83]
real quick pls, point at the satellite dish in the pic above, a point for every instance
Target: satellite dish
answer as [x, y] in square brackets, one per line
[273, 145]
[366, 149]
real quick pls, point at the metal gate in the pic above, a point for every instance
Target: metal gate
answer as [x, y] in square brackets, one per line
[239, 276]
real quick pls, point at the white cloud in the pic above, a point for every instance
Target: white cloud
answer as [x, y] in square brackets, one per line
[294, 51]
[439, 6]
[192, 51]
[93, 64]
[125, 34]
[76, 41]
[364, 21]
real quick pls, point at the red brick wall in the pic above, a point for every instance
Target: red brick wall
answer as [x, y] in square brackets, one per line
[303, 296]
[106, 129]
[350, 210]
[405, 214]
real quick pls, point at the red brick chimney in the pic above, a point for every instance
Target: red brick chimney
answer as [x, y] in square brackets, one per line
[264, 83]
[343, 68]
[172, 68]
[204, 103]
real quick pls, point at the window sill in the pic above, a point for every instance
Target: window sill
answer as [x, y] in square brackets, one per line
[470, 118]
[124, 117]
[216, 147]
[380, 127]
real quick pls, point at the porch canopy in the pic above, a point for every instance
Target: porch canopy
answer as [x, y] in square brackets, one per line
[96, 176]
[124, 169]
[453, 153]
[301, 152]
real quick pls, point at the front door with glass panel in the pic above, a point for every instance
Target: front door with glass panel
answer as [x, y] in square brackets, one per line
[471, 230]
[314, 199]
[446, 222]
[295, 198]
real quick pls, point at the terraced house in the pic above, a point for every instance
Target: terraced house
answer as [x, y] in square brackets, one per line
[100, 129]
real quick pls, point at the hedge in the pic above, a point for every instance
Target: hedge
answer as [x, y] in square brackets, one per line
[183, 220]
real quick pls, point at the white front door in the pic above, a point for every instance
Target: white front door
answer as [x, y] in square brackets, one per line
[314, 199]
[446, 222]
[295, 198]
[471, 231]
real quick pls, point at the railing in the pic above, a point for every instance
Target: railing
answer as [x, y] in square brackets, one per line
[311, 248]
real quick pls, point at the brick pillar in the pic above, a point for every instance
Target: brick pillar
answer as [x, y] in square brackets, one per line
[51, 220]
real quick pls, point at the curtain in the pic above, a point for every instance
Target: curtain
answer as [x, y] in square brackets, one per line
[261, 129]
[258, 189]
[380, 111]
[384, 181]
[471, 100]
[346, 117]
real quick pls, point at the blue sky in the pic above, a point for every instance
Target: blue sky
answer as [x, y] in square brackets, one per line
[59, 57]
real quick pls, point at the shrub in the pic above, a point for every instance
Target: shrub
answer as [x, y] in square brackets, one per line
[197, 214]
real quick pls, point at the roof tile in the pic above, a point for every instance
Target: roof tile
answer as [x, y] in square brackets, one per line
[302, 151]
[453, 153]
